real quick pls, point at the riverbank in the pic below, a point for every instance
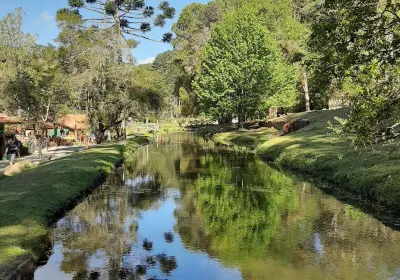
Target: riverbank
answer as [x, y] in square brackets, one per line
[52, 153]
[370, 175]
[33, 200]
[246, 138]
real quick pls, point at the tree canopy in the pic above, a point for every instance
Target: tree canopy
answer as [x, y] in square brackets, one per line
[240, 73]
[357, 48]
[228, 58]
[128, 17]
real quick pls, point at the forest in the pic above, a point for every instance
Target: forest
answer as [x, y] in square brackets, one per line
[230, 58]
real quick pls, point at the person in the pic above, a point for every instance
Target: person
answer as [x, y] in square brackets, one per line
[18, 145]
[92, 138]
[11, 150]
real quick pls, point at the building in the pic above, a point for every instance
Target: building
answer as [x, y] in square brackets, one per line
[75, 125]
[6, 131]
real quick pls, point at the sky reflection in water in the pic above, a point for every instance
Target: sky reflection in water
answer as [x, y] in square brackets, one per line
[187, 211]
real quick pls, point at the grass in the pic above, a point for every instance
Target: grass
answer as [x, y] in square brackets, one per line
[246, 138]
[167, 127]
[31, 201]
[370, 174]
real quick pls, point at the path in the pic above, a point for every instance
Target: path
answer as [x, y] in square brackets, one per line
[53, 153]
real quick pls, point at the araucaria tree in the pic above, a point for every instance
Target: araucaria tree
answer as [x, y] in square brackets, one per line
[95, 49]
[128, 17]
[243, 70]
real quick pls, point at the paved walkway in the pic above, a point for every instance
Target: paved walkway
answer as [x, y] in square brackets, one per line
[52, 154]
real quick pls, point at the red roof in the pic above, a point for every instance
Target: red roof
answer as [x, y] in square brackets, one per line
[71, 121]
[8, 119]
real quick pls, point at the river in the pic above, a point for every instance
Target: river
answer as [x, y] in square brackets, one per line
[183, 209]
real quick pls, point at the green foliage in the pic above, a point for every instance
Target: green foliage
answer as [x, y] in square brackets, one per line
[239, 73]
[32, 79]
[76, 3]
[129, 17]
[170, 64]
[109, 91]
[279, 18]
[110, 8]
[149, 89]
[357, 43]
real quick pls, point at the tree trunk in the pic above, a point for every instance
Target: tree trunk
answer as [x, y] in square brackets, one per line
[304, 86]
[225, 120]
[2, 141]
[100, 133]
[19, 115]
[117, 130]
[38, 143]
[75, 128]
[241, 119]
[123, 130]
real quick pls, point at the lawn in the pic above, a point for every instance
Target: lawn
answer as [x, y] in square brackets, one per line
[166, 127]
[31, 201]
[246, 138]
[369, 174]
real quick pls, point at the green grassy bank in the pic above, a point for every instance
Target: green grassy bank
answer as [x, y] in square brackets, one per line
[31, 201]
[370, 174]
[250, 139]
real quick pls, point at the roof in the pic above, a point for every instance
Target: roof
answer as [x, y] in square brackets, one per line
[9, 119]
[71, 121]
[40, 125]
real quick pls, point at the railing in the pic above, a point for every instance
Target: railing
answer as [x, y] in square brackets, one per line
[338, 102]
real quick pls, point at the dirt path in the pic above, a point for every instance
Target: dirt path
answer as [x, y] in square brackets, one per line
[51, 154]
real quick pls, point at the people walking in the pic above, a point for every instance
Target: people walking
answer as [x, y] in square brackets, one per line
[11, 152]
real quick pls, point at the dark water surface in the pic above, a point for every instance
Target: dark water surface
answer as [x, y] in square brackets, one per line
[184, 210]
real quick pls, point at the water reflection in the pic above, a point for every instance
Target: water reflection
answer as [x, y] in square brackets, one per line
[188, 211]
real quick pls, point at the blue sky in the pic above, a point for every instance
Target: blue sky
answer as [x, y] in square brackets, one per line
[40, 14]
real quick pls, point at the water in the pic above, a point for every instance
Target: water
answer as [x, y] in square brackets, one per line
[182, 209]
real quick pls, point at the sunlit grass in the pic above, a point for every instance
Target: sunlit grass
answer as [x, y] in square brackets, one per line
[370, 174]
[250, 139]
[140, 129]
[31, 201]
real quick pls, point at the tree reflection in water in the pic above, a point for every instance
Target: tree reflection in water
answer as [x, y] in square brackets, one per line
[184, 203]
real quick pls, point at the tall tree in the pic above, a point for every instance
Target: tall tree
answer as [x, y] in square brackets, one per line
[171, 66]
[127, 17]
[240, 73]
[41, 88]
[16, 48]
[286, 20]
[279, 16]
[358, 47]
[106, 89]
[193, 31]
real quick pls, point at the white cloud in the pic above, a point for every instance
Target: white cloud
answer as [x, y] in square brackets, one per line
[46, 20]
[147, 60]
[46, 16]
